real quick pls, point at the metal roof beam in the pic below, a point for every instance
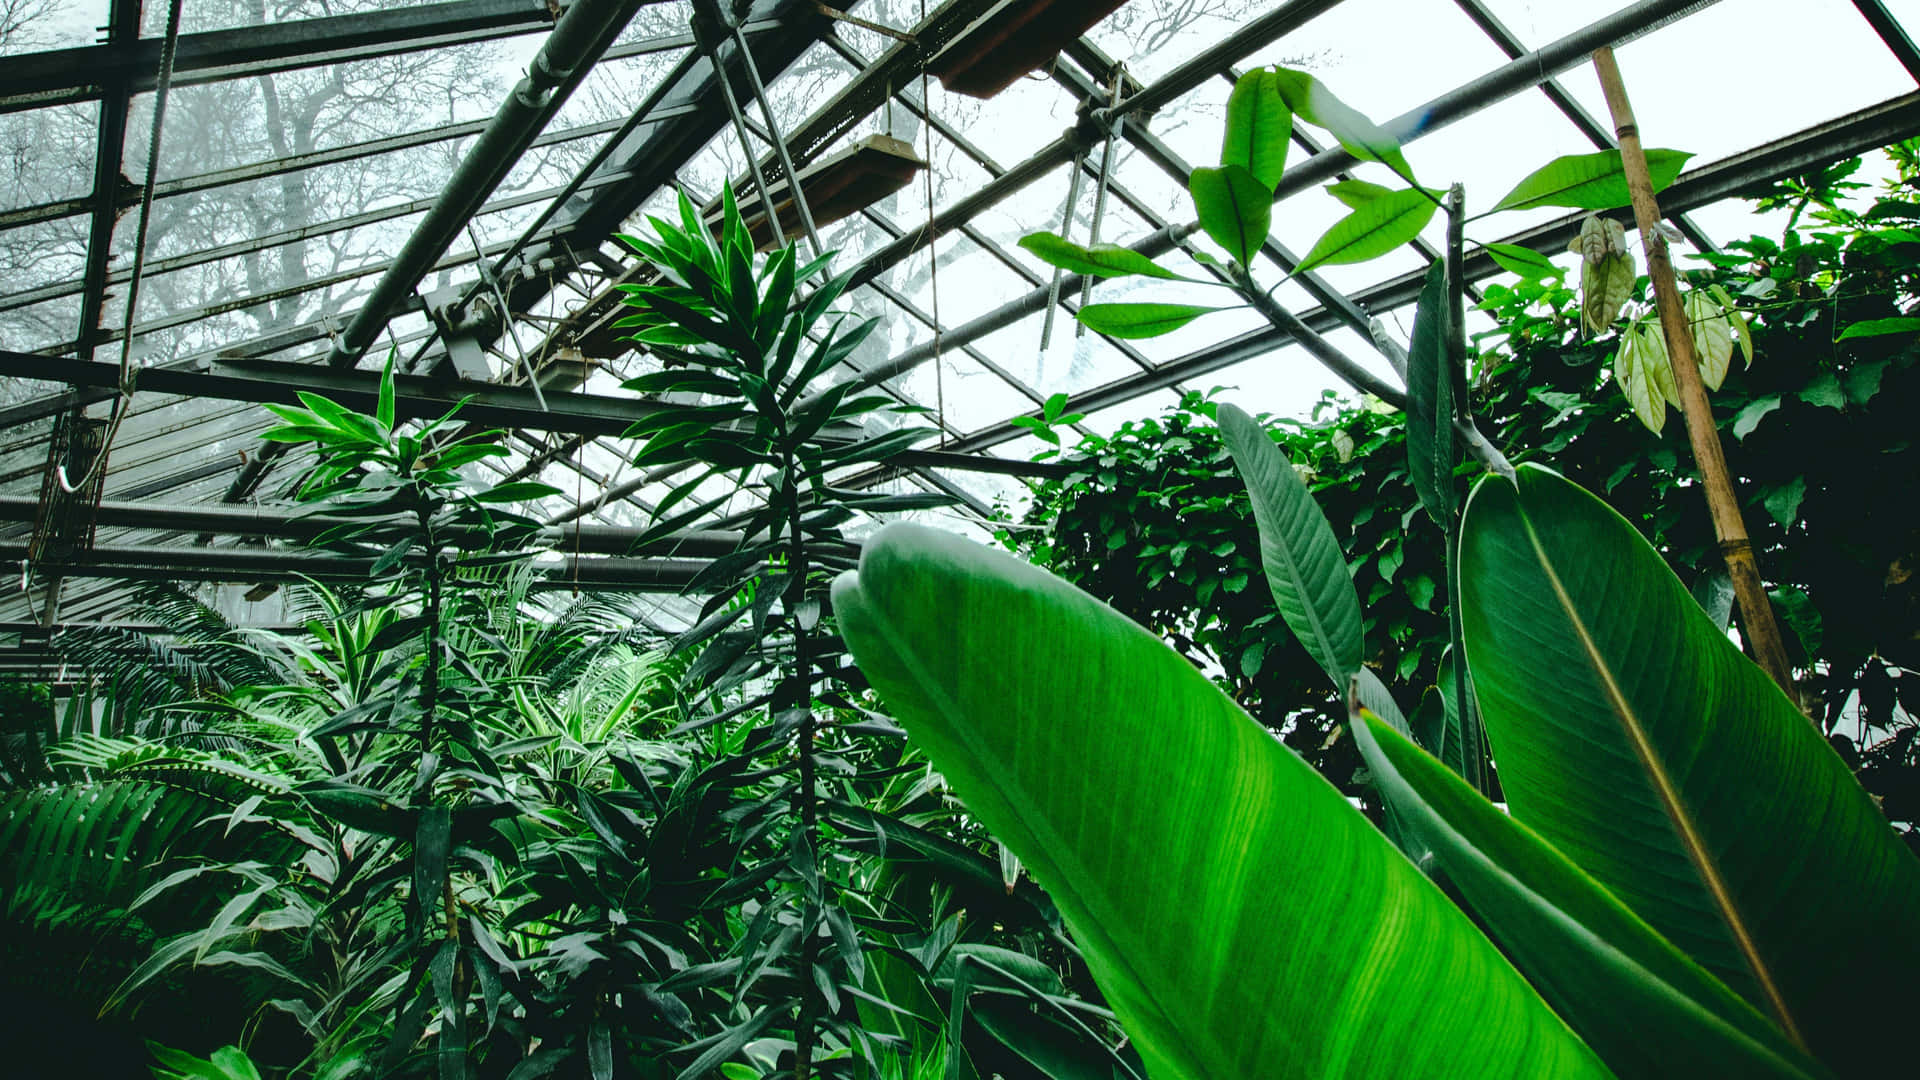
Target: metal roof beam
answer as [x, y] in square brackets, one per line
[1850, 135]
[420, 397]
[59, 76]
[255, 565]
[1502, 82]
[281, 523]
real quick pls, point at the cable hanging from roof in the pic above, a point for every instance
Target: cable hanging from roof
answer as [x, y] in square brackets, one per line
[123, 403]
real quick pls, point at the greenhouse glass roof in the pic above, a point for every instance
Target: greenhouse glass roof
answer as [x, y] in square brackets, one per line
[331, 181]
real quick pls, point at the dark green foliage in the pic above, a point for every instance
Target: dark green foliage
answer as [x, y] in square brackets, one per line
[1817, 431]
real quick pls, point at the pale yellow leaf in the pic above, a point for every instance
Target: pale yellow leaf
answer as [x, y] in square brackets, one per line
[1605, 284]
[1712, 338]
[1639, 391]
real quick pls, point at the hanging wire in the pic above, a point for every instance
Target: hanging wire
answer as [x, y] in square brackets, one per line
[933, 251]
[123, 403]
[1066, 233]
[1119, 78]
[506, 317]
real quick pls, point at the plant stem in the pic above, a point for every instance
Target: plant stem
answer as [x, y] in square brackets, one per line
[803, 1034]
[1756, 614]
[1356, 376]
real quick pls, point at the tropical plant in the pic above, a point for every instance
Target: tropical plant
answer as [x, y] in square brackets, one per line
[846, 952]
[1678, 830]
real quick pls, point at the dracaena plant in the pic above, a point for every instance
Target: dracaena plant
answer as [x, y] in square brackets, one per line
[754, 340]
[398, 825]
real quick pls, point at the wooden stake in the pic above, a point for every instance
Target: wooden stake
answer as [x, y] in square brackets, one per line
[1756, 614]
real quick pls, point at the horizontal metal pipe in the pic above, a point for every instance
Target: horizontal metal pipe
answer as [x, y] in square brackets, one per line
[586, 30]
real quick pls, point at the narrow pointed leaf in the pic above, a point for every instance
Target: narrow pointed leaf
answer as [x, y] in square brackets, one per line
[1589, 181]
[1259, 127]
[1377, 227]
[1100, 260]
[1634, 737]
[1304, 564]
[1235, 209]
[1140, 320]
[1357, 193]
[1277, 934]
[1641, 1003]
[1526, 262]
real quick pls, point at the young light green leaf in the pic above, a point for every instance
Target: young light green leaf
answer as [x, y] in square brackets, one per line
[1880, 327]
[1140, 320]
[1103, 751]
[1712, 338]
[1304, 564]
[1376, 228]
[1526, 262]
[1100, 260]
[1235, 209]
[1259, 125]
[1605, 285]
[1738, 320]
[1357, 193]
[1589, 181]
[1364, 139]
[1644, 373]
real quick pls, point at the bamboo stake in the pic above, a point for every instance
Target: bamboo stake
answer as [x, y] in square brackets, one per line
[1756, 613]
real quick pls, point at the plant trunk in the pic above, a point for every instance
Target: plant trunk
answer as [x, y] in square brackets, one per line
[803, 1033]
[1756, 613]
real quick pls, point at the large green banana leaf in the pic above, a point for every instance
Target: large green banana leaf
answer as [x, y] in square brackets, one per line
[1241, 917]
[1648, 1009]
[1636, 739]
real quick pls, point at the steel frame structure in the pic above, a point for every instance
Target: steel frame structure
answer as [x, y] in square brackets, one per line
[638, 156]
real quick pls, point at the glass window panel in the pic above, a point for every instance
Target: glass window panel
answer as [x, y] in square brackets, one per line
[227, 14]
[43, 325]
[47, 154]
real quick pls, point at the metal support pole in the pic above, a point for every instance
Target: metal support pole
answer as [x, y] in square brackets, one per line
[778, 139]
[706, 16]
[1100, 193]
[583, 33]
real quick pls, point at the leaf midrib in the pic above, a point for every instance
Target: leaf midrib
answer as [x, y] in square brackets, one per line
[1664, 788]
[1328, 653]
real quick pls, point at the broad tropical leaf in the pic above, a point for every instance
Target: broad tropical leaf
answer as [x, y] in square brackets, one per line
[1634, 737]
[1259, 126]
[1241, 917]
[1140, 320]
[1304, 564]
[1377, 227]
[1235, 209]
[1100, 260]
[1589, 181]
[1641, 1003]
